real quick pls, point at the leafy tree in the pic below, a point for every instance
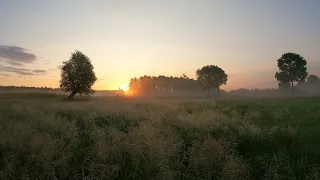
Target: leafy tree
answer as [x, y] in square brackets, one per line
[211, 77]
[134, 85]
[77, 75]
[312, 79]
[149, 85]
[292, 68]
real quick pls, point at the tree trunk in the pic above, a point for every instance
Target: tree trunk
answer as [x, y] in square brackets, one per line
[208, 92]
[218, 92]
[71, 95]
[292, 86]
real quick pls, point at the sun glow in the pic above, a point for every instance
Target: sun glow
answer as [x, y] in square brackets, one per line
[124, 87]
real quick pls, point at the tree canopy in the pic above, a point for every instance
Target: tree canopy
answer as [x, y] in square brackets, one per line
[161, 85]
[292, 68]
[211, 77]
[77, 75]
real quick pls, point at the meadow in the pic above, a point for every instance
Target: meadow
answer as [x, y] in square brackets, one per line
[43, 136]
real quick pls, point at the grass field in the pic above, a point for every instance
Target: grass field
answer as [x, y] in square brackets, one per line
[45, 137]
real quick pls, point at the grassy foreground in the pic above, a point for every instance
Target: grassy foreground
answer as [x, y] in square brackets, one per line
[48, 138]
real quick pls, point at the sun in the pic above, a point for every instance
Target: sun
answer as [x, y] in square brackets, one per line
[124, 87]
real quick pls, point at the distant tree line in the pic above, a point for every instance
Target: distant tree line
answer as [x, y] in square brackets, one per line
[163, 84]
[208, 78]
[78, 77]
[28, 87]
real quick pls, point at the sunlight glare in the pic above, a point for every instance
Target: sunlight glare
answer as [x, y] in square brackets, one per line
[124, 87]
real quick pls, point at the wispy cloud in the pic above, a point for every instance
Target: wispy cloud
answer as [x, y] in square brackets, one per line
[22, 71]
[16, 55]
[39, 71]
[6, 75]
[10, 62]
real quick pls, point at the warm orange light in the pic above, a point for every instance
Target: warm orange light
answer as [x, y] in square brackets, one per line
[124, 87]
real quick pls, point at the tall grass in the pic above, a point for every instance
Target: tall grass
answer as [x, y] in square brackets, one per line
[105, 139]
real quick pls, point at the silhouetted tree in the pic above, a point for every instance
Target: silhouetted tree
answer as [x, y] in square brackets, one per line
[134, 85]
[163, 85]
[292, 68]
[211, 76]
[77, 75]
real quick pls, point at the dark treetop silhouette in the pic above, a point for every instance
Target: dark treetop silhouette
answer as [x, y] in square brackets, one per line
[292, 68]
[211, 77]
[162, 85]
[77, 75]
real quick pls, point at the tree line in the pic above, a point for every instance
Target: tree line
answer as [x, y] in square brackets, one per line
[26, 87]
[165, 85]
[162, 84]
[78, 76]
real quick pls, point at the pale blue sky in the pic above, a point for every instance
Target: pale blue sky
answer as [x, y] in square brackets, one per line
[126, 38]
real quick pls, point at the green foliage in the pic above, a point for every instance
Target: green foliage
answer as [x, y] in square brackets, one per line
[292, 68]
[211, 77]
[77, 75]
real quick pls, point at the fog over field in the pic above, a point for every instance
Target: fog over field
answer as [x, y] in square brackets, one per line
[160, 90]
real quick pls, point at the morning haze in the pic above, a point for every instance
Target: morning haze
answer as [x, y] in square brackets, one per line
[126, 39]
[160, 89]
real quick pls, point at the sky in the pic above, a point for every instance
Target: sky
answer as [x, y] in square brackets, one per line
[132, 38]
